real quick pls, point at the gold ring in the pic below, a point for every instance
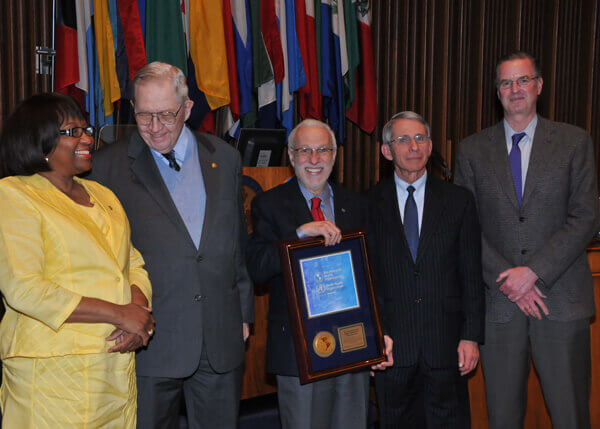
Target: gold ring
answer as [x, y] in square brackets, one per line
[150, 332]
[527, 308]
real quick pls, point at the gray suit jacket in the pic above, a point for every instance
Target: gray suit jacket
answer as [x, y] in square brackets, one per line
[200, 296]
[550, 230]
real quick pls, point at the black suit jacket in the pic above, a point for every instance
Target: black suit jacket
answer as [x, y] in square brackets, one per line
[275, 216]
[429, 305]
[200, 296]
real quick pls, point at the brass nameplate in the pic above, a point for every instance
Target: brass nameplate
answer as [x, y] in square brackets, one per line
[352, 337]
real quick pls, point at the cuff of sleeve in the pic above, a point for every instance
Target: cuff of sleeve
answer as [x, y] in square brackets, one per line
[143, 284]
[56, 322]
[300, 233]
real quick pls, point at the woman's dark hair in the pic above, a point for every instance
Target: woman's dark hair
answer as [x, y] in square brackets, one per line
[31, 132]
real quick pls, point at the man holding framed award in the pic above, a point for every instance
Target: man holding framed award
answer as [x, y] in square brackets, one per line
[306, 206]
[426, 245]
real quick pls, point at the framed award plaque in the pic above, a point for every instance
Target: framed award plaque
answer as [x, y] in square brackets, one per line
[333, 310]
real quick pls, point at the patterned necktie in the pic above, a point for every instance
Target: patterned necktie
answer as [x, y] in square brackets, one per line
[411, 223]
[315, 209]
[514, 157]
[172, 161]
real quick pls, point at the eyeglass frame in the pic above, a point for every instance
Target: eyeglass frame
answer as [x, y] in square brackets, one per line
[89, 131]
[401, 140]
[306, 152]
[510, 82]
[157, 116]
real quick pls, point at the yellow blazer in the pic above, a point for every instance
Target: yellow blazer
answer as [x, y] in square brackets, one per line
[51, 254]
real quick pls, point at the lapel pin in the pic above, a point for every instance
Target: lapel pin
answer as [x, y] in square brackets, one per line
[343, 210]
[213, 165]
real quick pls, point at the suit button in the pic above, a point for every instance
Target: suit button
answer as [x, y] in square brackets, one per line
[521, 219]
[199, 258]
[418, 300]
[524, 251]
[198, 298]
[417, 272]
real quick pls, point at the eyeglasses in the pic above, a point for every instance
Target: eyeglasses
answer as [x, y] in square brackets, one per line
[78, 131]
[406, 139]
[306, 152]
[521, 82]
[165, 118]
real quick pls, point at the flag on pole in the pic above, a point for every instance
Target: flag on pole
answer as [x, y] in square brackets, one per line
[331, 69]
[106, 56]
[67, 64]
[208, 51]
[353, 48]
[363, 111]
[165, 40]
[294, 76]
[309, 96]
[132, 34]
[243, 52]
[234, 105]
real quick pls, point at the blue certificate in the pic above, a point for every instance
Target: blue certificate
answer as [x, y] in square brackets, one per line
[329, 283]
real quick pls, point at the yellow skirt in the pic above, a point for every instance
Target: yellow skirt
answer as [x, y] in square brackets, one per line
[74, 391]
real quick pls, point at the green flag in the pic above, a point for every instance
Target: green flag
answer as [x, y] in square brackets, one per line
[165, 40]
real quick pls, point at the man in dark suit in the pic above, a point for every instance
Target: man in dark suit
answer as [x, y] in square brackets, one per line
[425, 239]
[306, 206]
[182, 193]
[535, 187]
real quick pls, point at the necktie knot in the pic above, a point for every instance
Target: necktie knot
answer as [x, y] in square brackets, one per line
[315, 209]
[410, 190]
[170, 156]
[517, 137]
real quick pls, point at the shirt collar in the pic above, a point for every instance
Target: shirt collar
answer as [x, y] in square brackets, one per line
[180, 148]
[417, 184]
[325, 195]
[529, 130]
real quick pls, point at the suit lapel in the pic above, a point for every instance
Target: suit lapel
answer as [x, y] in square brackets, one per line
[210, 175]
[64, 205]
[500, 163]
[539, 156]
[296, 204]
[433, 209]
[339, 205]
[390, 210]
[144, 168]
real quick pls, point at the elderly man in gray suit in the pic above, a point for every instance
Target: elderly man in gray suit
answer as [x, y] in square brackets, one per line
[535, 187]
[182, 193]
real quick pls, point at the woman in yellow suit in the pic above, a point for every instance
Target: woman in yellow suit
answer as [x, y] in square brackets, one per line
[76, 295]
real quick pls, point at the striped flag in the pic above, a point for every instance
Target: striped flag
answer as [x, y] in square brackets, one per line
[106, 56]
[294, 77]
[132, 34]
[243, 52]
[67, 64]
[331, 68]
[309, 96]
[234, 105]
[363, 111]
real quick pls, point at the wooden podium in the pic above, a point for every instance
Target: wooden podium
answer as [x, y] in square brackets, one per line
[256, 382]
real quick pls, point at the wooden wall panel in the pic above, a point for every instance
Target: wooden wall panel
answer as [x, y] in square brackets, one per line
[24, 24]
